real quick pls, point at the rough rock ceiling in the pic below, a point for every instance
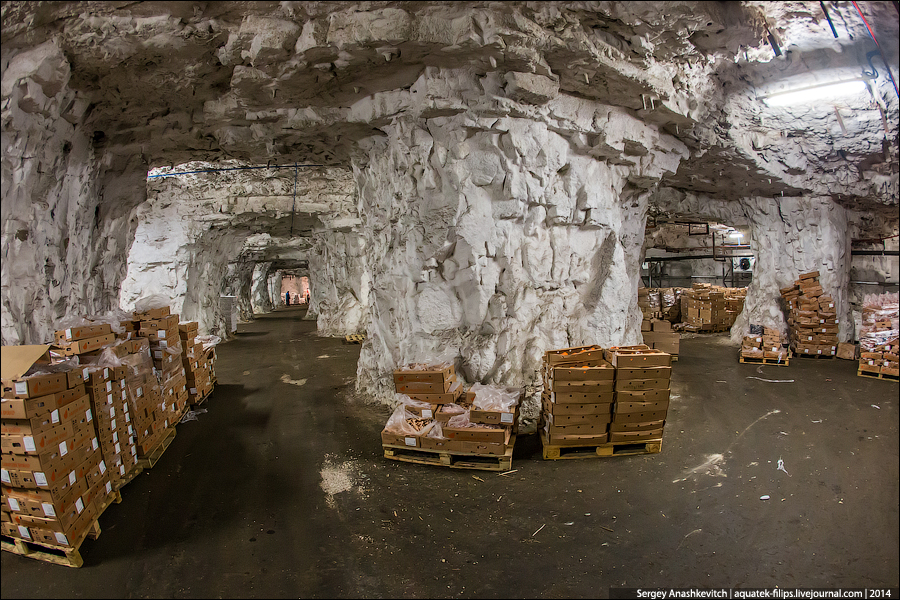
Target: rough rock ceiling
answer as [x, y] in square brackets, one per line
[259, 81]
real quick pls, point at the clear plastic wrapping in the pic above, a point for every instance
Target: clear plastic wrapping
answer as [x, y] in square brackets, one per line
[152, 302]
[208, 341]
[494, 397]
[432, 362]
[398, 424]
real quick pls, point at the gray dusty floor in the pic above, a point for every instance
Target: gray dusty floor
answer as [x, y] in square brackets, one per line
[281, 490]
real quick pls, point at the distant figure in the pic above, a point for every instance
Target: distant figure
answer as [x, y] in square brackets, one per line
[287, 298]
[307, 296]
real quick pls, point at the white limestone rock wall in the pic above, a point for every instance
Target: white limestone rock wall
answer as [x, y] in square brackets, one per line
[260, 295]
[339, 283]
[238, 278]
[500, 238]
[789, 236]
[66, 208]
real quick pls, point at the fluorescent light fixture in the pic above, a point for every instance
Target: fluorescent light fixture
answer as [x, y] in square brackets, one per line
[736, 234]
[816, 92]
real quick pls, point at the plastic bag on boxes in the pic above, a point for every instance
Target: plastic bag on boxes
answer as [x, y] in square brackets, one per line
[397, 423]
[493, 397]
[460, 421]
[452, 409]
[208, 341]
[405, 400]
[436, 431]
[432, 361]
[152, 302]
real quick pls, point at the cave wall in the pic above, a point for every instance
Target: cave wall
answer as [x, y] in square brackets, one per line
[260, 296]
[501, 237]
[67, 201]
[339, 283]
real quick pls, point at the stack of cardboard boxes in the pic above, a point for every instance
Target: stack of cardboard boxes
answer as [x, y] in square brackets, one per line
[766, 347]
[642, 390]
[706, 308]
[879, 338]
[54, 480]
[199, 364]
[648, 302]
[660, 336]
[812, 319]
[160, 328]
[576, 404]
[445, 421]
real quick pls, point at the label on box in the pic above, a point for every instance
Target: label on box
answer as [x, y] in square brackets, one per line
[69, 334]
[140, 392]
[72, 478]
[61, 538]
[102, 467]
[85, 374]
[4, 476]
[29, 443]
[21, 387]
[49, 511]
[115, 436]
[410, 441]
[109, 398]
[112, 412]
[163, 344]
[164, 406]
[133, 451]
[128, 419]
[88, 415]
[14, 504]
[122, 470]
[106, 373]
[23, 531]
[124, 397]
[40, 479]
[109, 386]
[117, 447]
[109, 487]
[427, 414]
[820, 352]
[79, 505]
[194, 391]
[54, 416]
[112, 424]
[63, 448]
[506, 417]
[158, 354]
[94, 443]
[166, 423]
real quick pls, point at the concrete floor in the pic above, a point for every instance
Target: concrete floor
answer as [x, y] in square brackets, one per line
[281, 490]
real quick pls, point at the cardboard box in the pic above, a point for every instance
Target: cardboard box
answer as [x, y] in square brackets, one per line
[17, 360]
[36, 443]
[638, 357]
[576, 429]
[423, 412]
[86, 345]
[663, 326]
[581, 387]
[639, 417]
[575, 354]
[448, 397]
[63, 457]
[477, 434]
[429, 443]
[649, 425]
[565, 420]
[632, 406]
[635, 436]
[624, 385]
[602, 371]
[642, 396]
[575, 439]
[586, 398]
[435, 377]
[45, 421]
[646, 325]
[61, 496]
[576, 409]
[155, 313]
[82, 333]
[643, 373]
[411, 441]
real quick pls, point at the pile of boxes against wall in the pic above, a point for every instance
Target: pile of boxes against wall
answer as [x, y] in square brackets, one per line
[878, 338]
[707, 307]
[595, 396]
[434, 416]
[55, 482]
[659, 336]
[767, 345]
[812, 319]
[199, 363]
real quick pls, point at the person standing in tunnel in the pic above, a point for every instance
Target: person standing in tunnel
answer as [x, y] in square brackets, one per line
[287, 298]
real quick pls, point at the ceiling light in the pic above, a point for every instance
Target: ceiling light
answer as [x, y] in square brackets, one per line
[736, 234]
[816, 92]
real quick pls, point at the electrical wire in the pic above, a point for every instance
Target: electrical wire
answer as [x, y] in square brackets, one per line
[877, 45]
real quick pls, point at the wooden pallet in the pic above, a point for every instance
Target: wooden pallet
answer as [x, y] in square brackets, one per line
[553, 452]
[872, 375]
[707, 328]
[58, 555]
[452, 459]
[202, 399]
[778, 362]
[137, 470]
[150, 459]
[805, 355]
[355, 339]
